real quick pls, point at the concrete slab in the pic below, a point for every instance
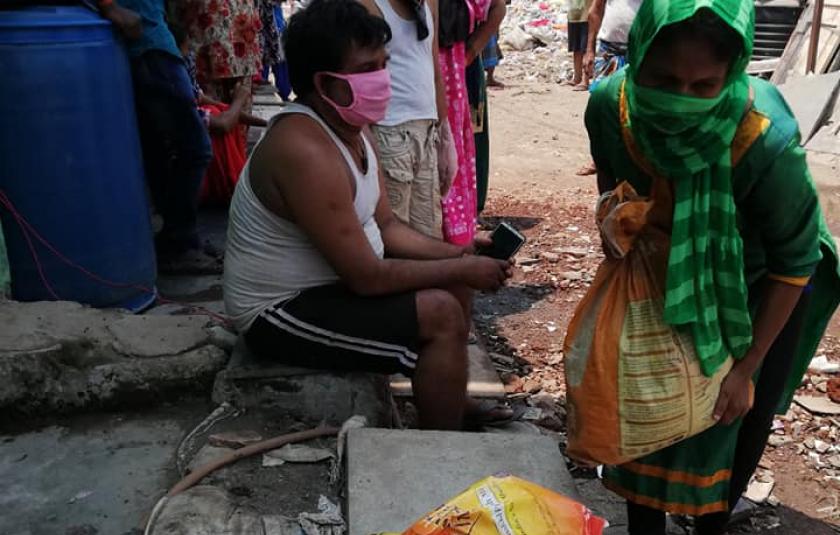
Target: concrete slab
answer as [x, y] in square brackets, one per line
[811, 98]
[192, 307]
[307, 394]
[64, 357]
[68, 379]
[827, 138]
[152, 336]
[483, 381]
[395, 477]
[93, 474]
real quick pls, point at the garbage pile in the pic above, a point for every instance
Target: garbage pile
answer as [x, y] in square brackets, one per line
[533, 38]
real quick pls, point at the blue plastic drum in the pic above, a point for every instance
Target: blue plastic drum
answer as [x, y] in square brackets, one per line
[70, 162]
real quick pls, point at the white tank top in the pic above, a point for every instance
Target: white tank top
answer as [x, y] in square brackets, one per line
[618, 18]
[269, 259]
[411, 67]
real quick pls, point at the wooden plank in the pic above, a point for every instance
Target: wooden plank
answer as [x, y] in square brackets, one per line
[795, 45]
[814, 38]
[826, 48]
[763, 66]
[483, 380]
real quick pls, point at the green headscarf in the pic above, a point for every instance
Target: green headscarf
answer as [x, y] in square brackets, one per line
[688, 139]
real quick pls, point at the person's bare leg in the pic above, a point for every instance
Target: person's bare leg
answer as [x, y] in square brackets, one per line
[491, 79]
[578, 66]
[464, 295]
[474, 409]
[440, 379]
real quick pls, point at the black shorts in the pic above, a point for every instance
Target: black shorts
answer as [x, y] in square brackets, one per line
[578, 35]
[329, 327]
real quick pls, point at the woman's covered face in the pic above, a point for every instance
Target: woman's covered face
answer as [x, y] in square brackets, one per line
[686, 66]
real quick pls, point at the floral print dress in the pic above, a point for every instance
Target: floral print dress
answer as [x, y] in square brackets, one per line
[225, 37]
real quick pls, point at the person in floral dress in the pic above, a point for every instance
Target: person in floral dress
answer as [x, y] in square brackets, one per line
[225, 38]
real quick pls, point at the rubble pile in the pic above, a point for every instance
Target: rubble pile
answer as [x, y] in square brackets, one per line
[533, 38]
[810, 430]
[554, 269]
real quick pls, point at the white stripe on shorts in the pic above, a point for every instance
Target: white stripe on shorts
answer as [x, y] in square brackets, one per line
[283, 320]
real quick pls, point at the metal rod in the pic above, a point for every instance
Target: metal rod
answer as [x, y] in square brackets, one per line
[813, 46]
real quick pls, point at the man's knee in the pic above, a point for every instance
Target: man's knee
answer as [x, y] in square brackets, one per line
[439, 313]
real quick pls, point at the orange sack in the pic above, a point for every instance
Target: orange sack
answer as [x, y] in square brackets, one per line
[633, 383]
[508, 505]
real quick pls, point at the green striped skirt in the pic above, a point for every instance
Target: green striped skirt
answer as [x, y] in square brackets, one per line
[688, 478]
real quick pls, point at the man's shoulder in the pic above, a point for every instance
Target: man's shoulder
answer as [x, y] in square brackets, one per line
[296, 135]
[296, 147]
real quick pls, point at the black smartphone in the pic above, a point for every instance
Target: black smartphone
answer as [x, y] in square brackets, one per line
[506, 242]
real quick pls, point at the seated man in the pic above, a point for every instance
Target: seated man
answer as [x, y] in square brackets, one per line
[318, 271]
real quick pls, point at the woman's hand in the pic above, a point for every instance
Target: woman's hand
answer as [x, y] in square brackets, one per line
[129, 23]
[736, 396]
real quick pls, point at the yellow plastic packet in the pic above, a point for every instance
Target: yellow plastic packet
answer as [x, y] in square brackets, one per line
[509, 506]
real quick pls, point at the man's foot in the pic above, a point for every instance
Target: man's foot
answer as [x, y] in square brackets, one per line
[189, 262]
[495, 84]
[488, 413]
[587, 170]
[581, 86]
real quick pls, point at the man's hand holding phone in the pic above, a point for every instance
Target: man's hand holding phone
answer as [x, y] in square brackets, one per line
[505, 242]
[484, 273]
[492, 266]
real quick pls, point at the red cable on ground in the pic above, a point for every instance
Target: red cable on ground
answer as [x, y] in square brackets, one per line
[26, 229]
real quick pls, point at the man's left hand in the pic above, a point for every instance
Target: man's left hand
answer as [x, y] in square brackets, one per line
[736, 396]
[482, 239]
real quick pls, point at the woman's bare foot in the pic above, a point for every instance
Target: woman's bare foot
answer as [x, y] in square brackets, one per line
[494, 84]
[582, 86]
[587, 170]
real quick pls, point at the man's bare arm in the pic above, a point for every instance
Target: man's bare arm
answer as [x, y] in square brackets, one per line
[594, 20]
[311, 178]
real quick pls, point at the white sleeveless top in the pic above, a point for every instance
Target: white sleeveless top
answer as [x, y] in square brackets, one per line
[412, 68]
[269, 259]
[618, 18]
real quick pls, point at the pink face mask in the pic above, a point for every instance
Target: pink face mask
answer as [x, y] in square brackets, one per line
[371, 94]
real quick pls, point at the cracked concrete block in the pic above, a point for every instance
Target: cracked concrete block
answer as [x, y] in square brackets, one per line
[56, 380]
[395, 477]
[64, 357]
[153, 336]
[315, 395]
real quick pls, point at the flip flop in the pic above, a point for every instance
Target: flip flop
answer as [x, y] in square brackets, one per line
[489, 413]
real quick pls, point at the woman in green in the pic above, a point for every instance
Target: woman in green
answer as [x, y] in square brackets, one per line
[752, 270]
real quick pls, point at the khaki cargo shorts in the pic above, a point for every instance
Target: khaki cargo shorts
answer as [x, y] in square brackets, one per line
[408, 158]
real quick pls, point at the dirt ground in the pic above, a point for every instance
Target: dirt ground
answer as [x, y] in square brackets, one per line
[538, 142]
